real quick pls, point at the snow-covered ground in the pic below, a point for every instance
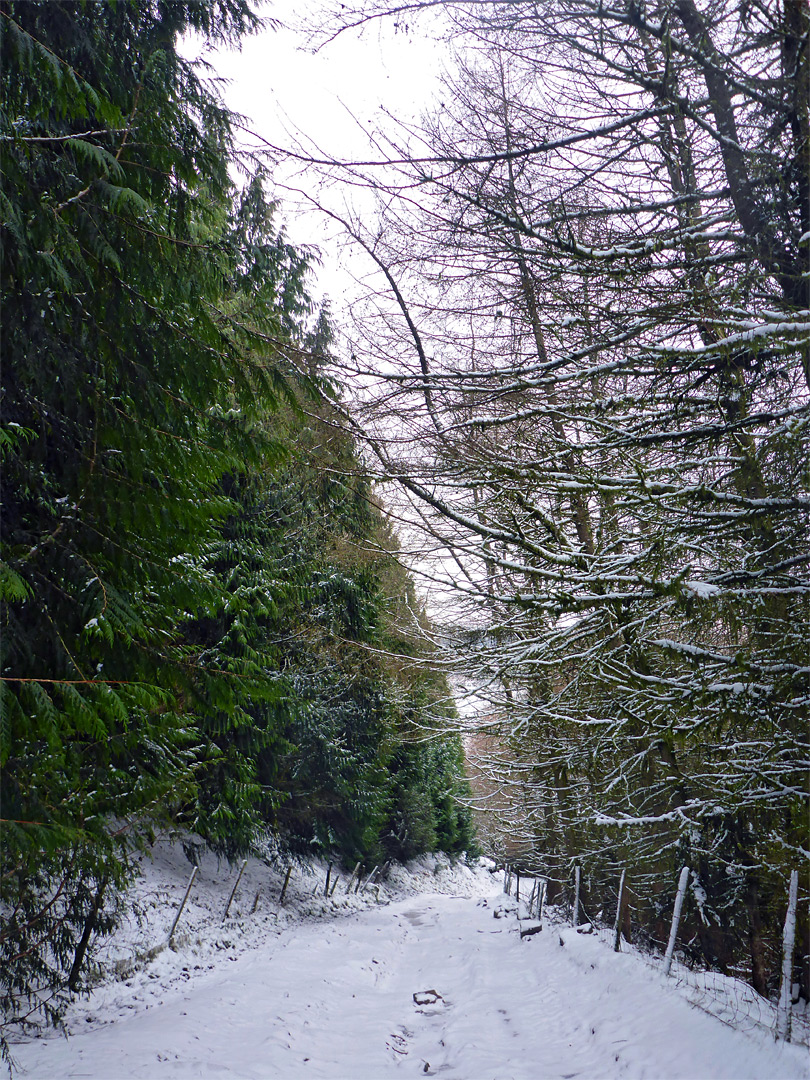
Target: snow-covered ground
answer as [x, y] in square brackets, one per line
[431, 977]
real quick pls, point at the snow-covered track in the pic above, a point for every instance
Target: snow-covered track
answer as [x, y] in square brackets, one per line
[426, 985]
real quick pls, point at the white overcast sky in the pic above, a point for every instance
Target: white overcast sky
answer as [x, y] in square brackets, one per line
[330, 98]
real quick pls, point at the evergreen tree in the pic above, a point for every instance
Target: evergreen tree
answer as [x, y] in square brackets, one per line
[319, 614]
[189, 614]
[118, 356]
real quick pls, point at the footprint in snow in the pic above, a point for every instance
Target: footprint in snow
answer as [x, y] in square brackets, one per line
[398, 1043]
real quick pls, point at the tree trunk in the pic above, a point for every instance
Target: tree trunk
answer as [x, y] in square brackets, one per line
[756, 944]
[87, 933]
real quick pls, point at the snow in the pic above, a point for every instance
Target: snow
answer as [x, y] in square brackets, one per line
[702, 588]
[431, 977]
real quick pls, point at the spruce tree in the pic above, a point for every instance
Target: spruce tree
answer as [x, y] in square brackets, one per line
[126, 388]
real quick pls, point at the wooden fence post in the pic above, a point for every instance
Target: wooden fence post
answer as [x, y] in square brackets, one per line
[575, 913]
[233, 891]
[783, 1012]
[540, 902]
[369, 878]
[284, 886]
[182, 904]
[328, 879]
[617, 930]
[517, 885]
[350, 882]
[683, 881]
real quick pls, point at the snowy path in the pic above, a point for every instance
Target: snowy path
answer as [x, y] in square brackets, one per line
[336, 1000]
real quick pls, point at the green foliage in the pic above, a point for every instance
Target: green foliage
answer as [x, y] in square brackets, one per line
[116, 350]
[318, 744]
[191, 620]
[428, 811]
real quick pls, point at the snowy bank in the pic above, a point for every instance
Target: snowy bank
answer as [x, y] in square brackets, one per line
[432, 978]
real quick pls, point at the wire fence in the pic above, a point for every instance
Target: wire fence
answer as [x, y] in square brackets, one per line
[731, 1000]
[727, 997]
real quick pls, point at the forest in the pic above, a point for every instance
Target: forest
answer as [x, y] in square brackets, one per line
[580, 370]
[594, 308]
[206, 625]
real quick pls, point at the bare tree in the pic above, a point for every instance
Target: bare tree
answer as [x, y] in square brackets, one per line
[594, 339]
